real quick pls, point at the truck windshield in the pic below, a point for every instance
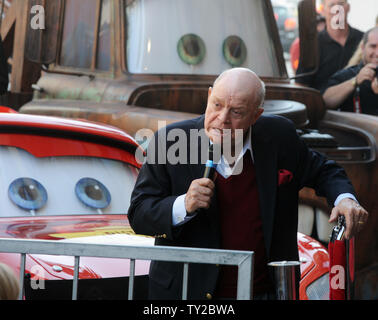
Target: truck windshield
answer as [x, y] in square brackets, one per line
[199, 37]
[64, 185]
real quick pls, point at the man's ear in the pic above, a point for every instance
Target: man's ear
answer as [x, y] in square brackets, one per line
[347, 8]
[258, 113]
[209, 92]
[362, 46]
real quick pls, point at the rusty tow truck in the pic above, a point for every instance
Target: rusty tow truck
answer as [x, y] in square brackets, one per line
[135, 63]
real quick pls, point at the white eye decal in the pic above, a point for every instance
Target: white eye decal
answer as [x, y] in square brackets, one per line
[191, 49]
[234, 51]
[92, 193]
[27, 193]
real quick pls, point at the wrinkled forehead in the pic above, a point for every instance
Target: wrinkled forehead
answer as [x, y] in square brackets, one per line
[234, 89]
[331, 3]
[373, 37]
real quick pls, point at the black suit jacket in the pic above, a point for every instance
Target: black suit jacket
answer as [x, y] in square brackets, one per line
[275, 146]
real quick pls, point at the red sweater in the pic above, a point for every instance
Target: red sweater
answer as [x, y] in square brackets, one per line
[241, 227]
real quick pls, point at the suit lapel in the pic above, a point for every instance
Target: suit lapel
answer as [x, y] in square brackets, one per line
[196, 169]
[265, 161]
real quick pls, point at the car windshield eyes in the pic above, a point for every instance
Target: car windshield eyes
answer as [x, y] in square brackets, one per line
[28, 194]
[93, 193]
[192, 50]
[234, 51]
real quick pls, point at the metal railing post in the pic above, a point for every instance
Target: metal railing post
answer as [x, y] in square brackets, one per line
[185, 281]
[22, 276]
[245, 279]
[131, 279]
[75, 278]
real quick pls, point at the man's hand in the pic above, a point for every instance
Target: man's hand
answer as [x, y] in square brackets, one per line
[199, 195]
[355, 216]
[366, 73]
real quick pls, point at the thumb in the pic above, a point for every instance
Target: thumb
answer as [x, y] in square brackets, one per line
[334, 215]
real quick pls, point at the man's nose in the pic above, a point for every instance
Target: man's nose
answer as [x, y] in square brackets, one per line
[224, 116]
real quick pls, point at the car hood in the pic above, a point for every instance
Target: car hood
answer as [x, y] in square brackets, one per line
[95, 229]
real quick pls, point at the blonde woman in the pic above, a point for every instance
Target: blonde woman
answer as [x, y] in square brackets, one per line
[9, 286]
[357, 56]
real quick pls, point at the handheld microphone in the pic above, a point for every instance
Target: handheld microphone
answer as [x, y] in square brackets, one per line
[210, 168]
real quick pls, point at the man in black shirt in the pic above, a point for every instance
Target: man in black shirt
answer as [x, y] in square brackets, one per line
[355, 89]
[336, 44]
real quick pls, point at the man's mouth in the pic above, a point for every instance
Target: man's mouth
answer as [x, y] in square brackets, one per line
[221, 133]
[217, 132]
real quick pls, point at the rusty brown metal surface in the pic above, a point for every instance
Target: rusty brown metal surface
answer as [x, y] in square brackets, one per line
[126, 117]
[136, 101]
[364, 177]
[171, 93]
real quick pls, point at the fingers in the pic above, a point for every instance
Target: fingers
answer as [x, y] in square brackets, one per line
[359, 217]
[355, 216]
[199, 195]
[374, 85]
[334, 215]
[366, 73]
[350, 226]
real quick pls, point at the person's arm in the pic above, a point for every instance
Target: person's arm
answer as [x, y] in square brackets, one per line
[150, 211]
[335, 95]
[154, 210]
[330, 180]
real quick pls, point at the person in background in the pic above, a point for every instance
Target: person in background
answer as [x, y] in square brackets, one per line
[357, 56]
[355, 89]
[337, 43]
[9, 286]
[295, 47]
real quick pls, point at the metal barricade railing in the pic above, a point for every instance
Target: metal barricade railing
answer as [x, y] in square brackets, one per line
[242, 259]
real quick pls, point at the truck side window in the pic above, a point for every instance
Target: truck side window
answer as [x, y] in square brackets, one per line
[78, 37]
[81, 47]
[103, 49]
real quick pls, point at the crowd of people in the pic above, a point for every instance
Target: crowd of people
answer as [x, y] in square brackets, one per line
[347, 75]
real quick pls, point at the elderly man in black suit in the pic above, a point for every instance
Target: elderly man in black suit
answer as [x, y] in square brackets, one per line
[251, 205]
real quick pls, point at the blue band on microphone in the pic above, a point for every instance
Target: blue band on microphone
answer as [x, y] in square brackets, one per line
[210, 164]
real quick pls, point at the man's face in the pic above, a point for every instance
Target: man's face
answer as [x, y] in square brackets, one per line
[229, 108]
[370, 49]
[330, 13]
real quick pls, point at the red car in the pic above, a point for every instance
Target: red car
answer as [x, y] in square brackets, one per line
[71, 180]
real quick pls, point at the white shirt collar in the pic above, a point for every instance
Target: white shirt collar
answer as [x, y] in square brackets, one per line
[223, 167]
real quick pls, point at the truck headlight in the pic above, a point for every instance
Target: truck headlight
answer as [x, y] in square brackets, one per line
[319, 289]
